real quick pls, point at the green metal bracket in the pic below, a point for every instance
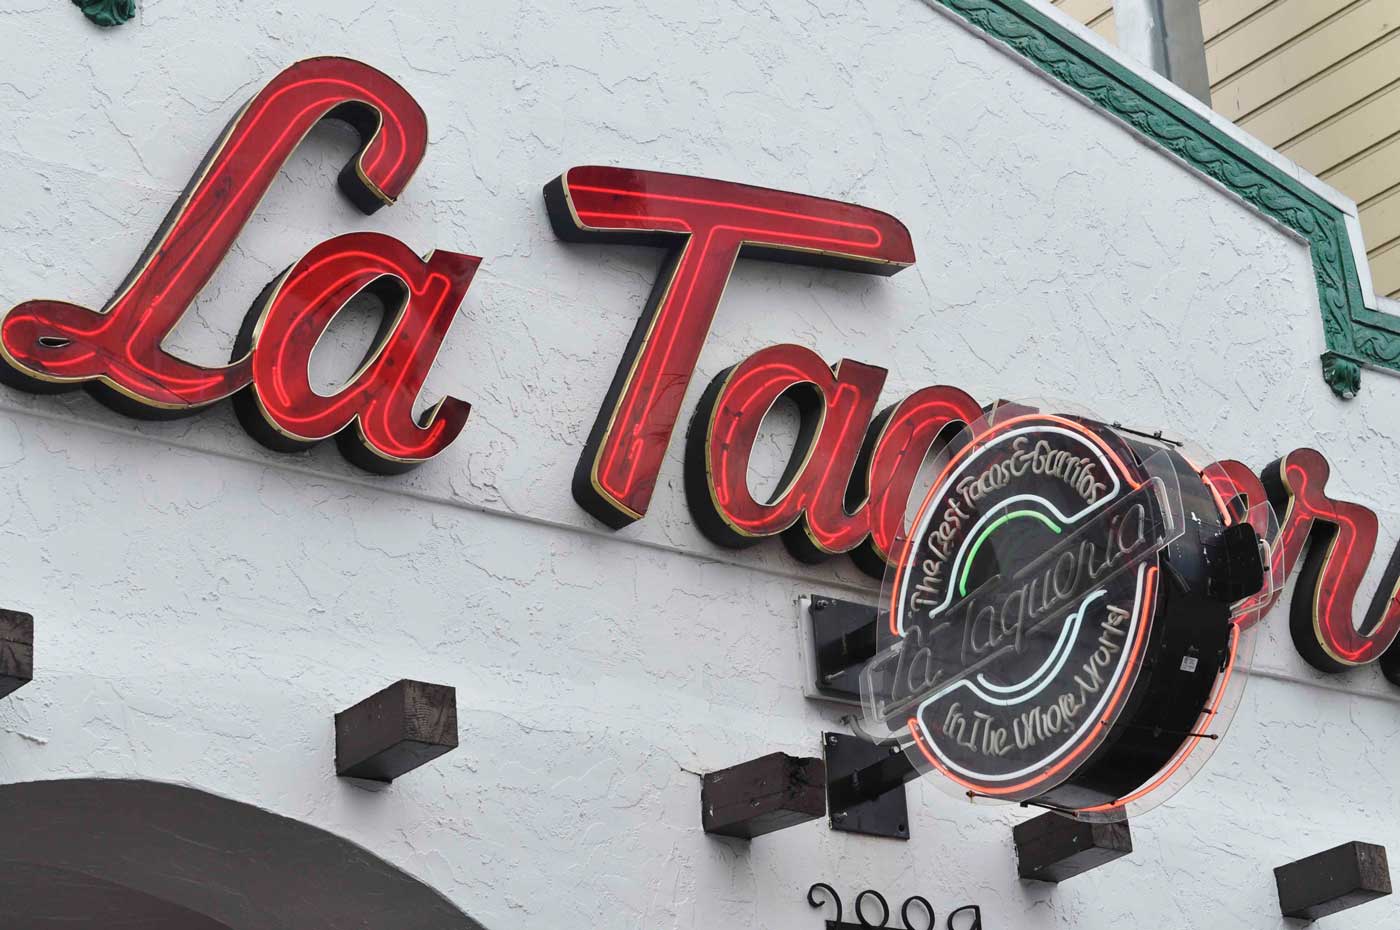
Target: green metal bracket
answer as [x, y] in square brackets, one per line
[1354, 335]
[107, 12]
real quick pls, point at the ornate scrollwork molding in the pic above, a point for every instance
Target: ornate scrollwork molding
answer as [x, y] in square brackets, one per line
[1355, 335]
[1342, 374]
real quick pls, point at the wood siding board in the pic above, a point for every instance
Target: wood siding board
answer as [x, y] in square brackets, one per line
[1255, 11]
[1378, 198]
[1219, 15]
[1308, 86]
[1360, 125]
[1370, 172]
[1086, 10]
[1273, 31]
[1385, 270]
[1108, 28]
[1380, 222]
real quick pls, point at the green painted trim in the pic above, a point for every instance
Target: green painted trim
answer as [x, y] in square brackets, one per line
[982, 537]
[107, 12]
[1354, 334]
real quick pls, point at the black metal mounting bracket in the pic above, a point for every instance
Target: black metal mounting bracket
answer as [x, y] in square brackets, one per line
[865, 786]
[839, 638]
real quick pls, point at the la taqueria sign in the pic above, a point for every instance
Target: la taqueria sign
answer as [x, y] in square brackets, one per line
[1066, 614]
[854, 467]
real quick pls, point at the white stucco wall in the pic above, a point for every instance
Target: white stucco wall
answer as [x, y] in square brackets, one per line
[204, 606]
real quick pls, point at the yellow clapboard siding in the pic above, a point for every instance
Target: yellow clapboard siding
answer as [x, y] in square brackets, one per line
[1370, 172]
[1329, 83]
[1320, 81]
[1264, 35]
[1219, 15]
[1086, 10]
[1108, 28]
[1385, 271]
[1329, 145]
[1380, 222]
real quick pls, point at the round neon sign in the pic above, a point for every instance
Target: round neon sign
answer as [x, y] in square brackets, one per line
[1060, 618]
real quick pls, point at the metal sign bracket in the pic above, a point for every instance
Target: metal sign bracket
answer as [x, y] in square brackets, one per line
[865, 786]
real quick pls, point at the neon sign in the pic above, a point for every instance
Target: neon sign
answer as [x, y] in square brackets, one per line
[1340, 538]
[852, 471]
[117, 354]
[705, 225]
[1061, 615]
[851, 477]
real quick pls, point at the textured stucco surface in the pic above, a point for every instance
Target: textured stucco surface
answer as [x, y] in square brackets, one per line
[204, 606]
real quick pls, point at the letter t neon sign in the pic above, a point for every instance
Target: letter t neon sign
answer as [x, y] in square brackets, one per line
[706, 225]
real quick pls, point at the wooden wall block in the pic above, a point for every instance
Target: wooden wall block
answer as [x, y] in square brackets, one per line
[395, 731]
[16, 650]
[763, 795]
[1052, 848]
[1332, 881]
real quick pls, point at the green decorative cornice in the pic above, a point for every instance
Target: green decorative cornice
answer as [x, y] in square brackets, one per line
[107, 12]
[1354, 335]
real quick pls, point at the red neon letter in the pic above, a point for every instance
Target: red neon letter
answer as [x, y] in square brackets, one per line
[284, 412]
[898, 442]
[706, 225]
[1343, 538]
[839, 493]
[52, 345]
[835, 406]
[1242, 496]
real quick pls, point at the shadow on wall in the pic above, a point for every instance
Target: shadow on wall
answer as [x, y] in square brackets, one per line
[137, 854]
